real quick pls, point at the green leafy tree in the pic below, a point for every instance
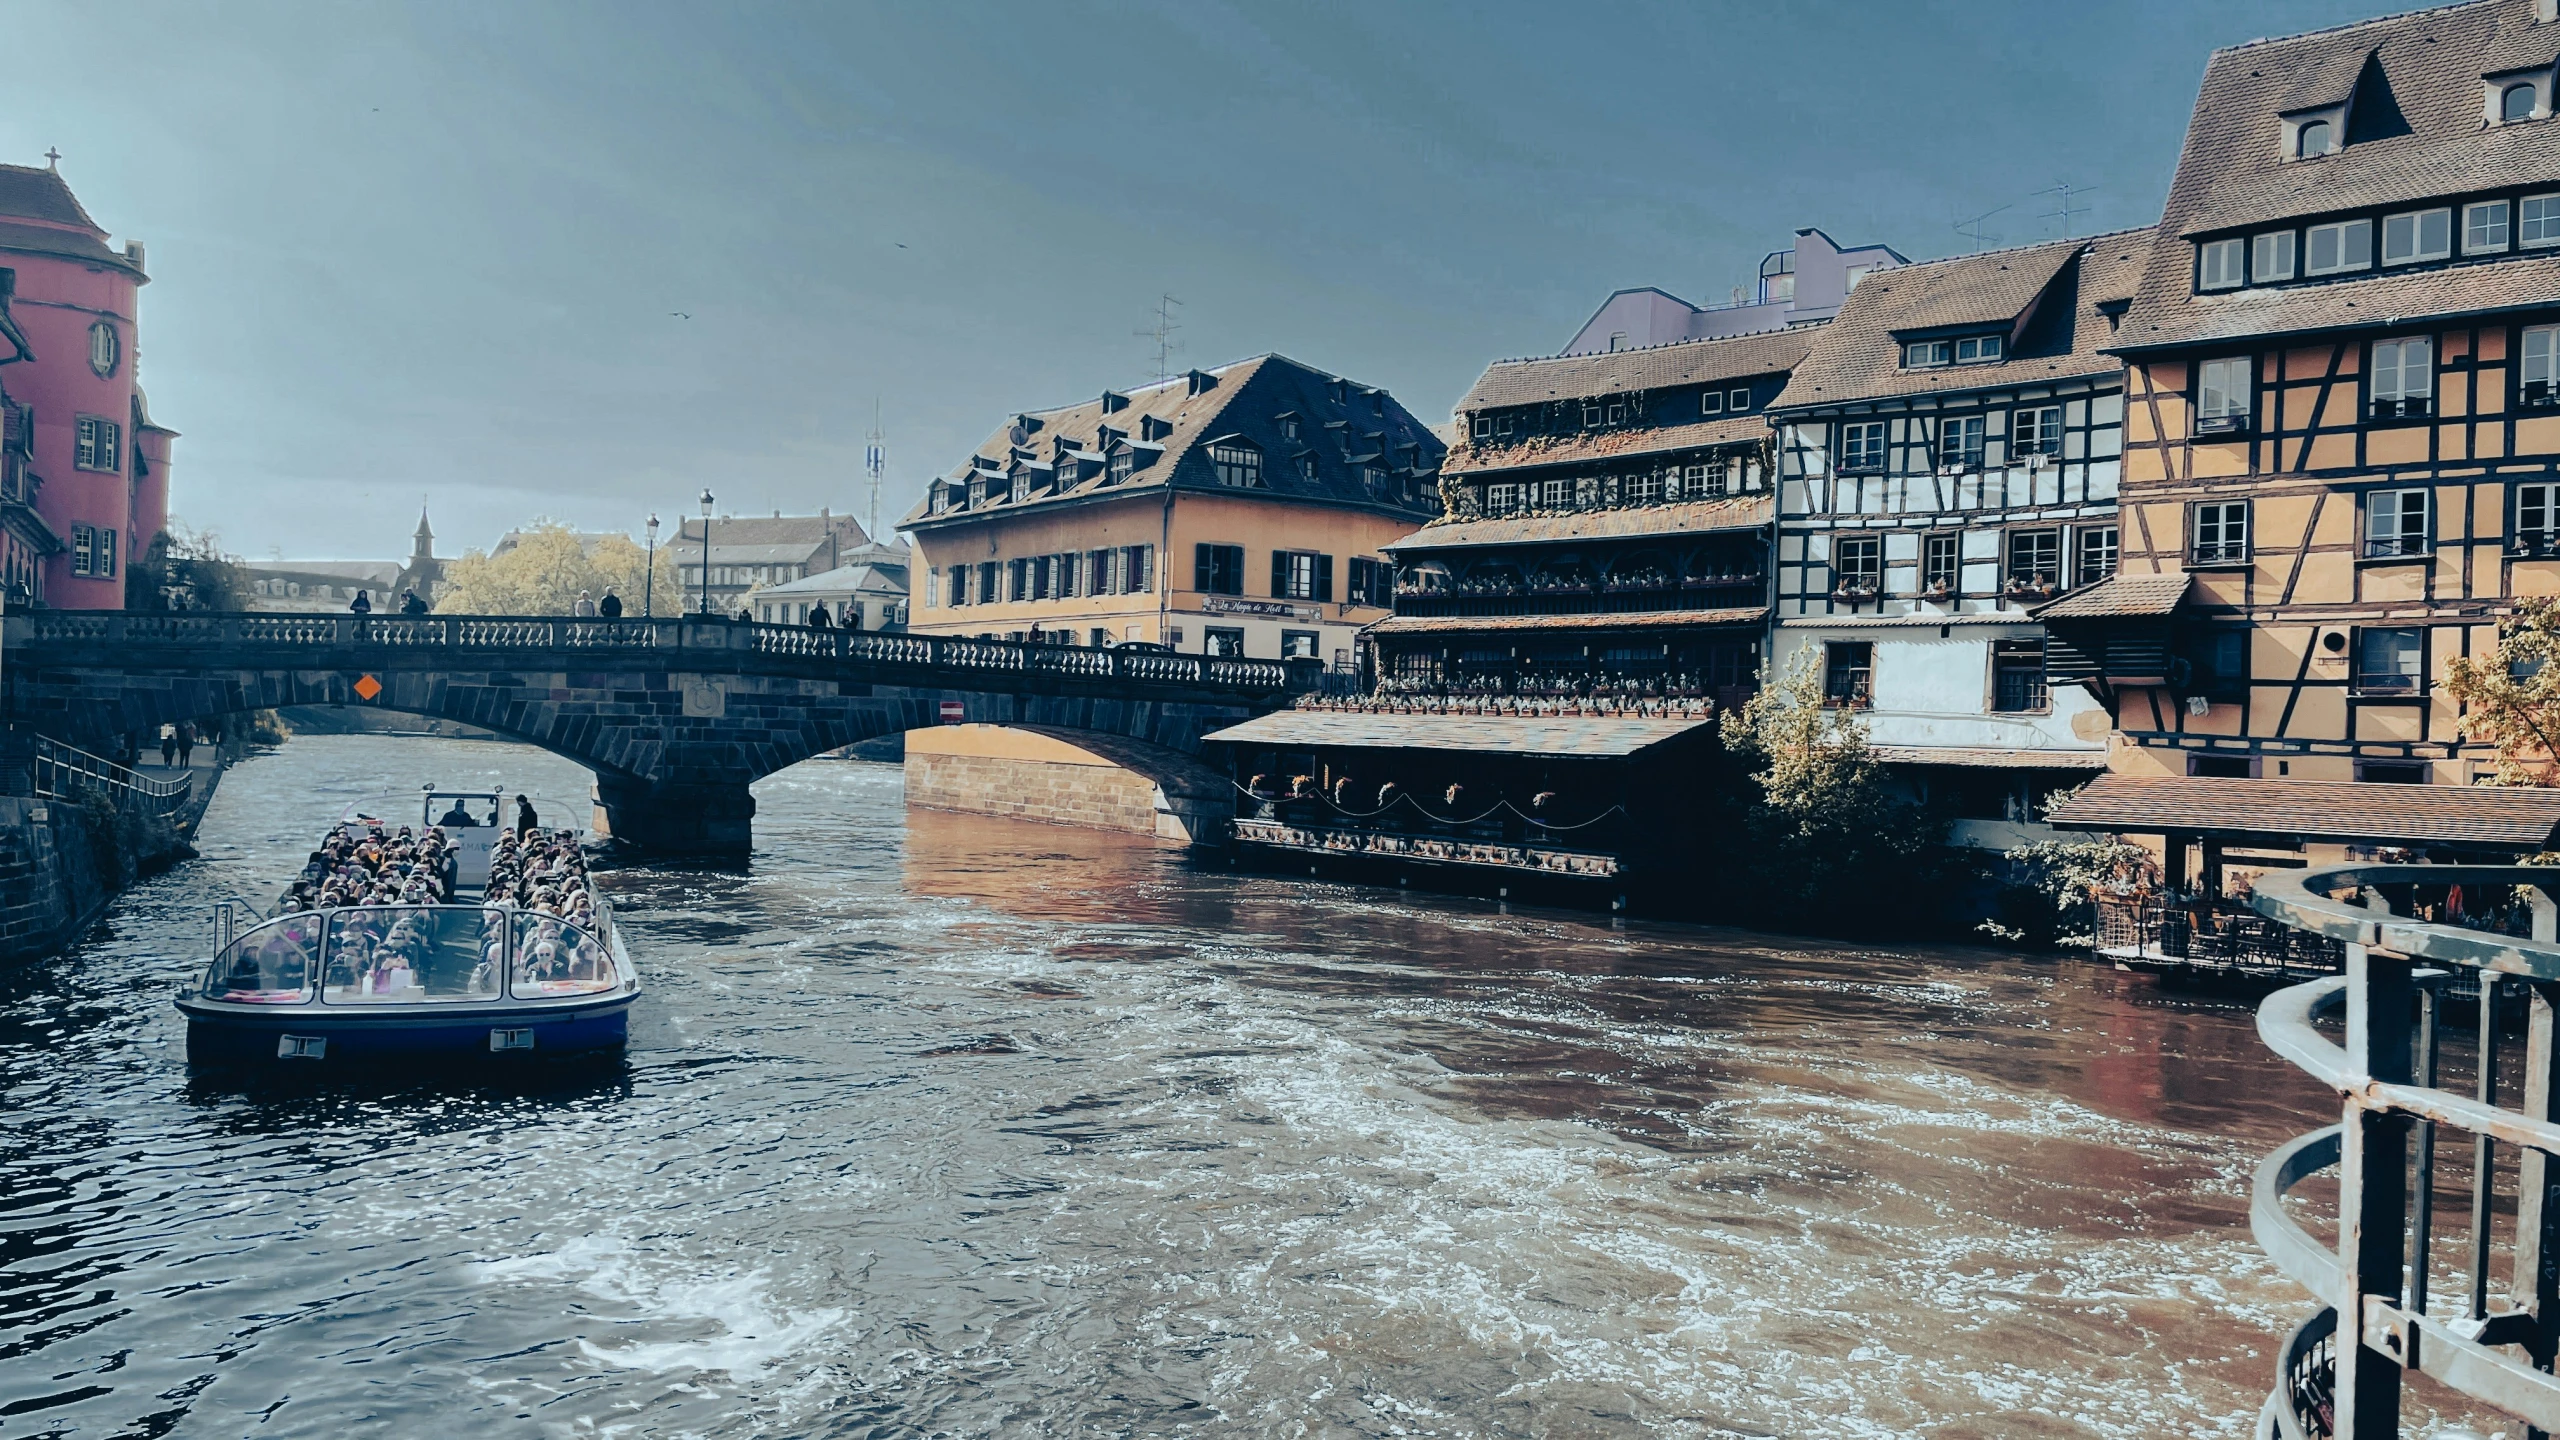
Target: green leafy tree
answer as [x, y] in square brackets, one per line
[185, 569]
[1825, 841]
[542, 573]
[2511, 696]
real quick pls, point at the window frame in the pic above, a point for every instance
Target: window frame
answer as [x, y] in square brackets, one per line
[2108, 539]
[2263, 273]
[2402, 402]
[2048, 437]
[1848, 674]
[2244, 408]
[1711, 402]
[2550, 364]
[2012, 542]
[2019, 657]
[2505, 242]
[2358, 678]
[1868, 575]
[2417, 227]
[2226, 553]
[1963, 440]
[1217, 569]
[2401, 543]
[2507, 93]
[2311, 242]
[1942, 563]
[1235, 464]
[1875, 464]
[2222, 264]
[97, 444]
[2548, 219]
[2529, 539]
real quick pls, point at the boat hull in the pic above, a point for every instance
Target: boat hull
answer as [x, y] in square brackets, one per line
[304, 1037]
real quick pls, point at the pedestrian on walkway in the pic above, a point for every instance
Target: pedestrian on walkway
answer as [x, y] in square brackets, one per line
[610, 607]
[585, 609]
[362, 604]
[168, 745]
[186, 742]
[818, 617]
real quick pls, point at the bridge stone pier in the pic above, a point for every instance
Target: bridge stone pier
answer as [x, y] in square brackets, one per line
[676, 718]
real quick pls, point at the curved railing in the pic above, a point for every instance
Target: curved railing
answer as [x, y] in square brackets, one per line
[119, 633]
[2340, 1373]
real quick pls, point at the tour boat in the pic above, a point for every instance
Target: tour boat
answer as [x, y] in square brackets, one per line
[472, 976]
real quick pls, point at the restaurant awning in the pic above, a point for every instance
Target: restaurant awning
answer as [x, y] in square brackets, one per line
[1564, 737]
[2330, 811]
[1608, 620]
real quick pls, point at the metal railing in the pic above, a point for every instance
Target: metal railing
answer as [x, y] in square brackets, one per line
[115, 634]
[56, 771]
[2341, 1372]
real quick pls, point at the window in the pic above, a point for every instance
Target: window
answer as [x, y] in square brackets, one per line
[2271, 257]
[1299, 645]
[2035, 559]
[1617, 412]
[2222, 390]
[1702, 482]
[1307, 466]
[2220, 264]
[2404, 377]
[1237, 465]
[2395, 522]
[1922, 354]
[1021, 489]
[1373, 582]
[1644, 488]
[1044, 577]
[2392, 772]
[1979, 349]
[1738, 400]
[1068, 565]
[1483, 428]
[99, 444]
[1301, 575]
[987, 584]
[2036, 430]
[1289, 427]
[2484, 227]
[1857, 565]
[1218, 569]
[1938, 572]
[2415, 235]
[2342, 245]
[2098, 551]
[1960, 441]
[2313, 139]
[1848, 674]
[1138, 569]
[2516, 102]
[1123, 464]
[2219, 532]
[1711, 403]
[1556, 494]
[2391, 660]
[1222, 643]
[2537, 529]
[1017, 579]
[1862, 446]
[958, 582]
[2017, 676]
[83, 542]
[2539, 376]
[1591, 414]
[104, 349]
[2538, 220]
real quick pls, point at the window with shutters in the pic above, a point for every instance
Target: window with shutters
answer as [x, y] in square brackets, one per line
[1217, 569]
[1138, 572]
[1301, 575]
[959, 583]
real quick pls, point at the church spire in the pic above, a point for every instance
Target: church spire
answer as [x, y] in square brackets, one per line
[426, 536]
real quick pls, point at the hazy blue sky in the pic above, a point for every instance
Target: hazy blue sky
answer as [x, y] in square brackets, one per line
[435, 248]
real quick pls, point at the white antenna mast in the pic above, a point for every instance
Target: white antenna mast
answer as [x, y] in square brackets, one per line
[1161, 332]
[875, 457]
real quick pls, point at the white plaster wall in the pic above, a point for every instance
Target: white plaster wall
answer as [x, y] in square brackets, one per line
[1937, 691]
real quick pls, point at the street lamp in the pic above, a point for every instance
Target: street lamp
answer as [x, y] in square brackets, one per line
[706, 550]
[649, 577]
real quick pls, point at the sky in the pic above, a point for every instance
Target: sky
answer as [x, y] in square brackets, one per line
[585, 261]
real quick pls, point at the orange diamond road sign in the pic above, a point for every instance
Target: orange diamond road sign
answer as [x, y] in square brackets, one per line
[368, 687]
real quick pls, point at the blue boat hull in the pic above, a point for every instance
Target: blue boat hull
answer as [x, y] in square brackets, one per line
[302, 1037]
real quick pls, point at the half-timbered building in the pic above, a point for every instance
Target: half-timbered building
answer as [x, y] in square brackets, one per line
[1606, 529]
[1948, 457]
[2342, 445]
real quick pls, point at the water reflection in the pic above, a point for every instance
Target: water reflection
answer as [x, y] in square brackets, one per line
[941, 1124]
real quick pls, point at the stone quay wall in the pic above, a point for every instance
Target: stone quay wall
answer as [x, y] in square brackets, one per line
[1066, 778]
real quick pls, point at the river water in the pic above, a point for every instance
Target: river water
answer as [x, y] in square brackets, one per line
[938, 1125]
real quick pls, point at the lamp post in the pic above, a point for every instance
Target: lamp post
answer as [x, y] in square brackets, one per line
[649, 577]
[706, 550]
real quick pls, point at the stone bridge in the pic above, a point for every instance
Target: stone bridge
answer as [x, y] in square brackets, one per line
[676, 717]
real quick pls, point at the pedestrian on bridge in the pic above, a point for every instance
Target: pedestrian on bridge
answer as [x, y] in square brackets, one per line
[585, 609]
[362, 604]
[168, 745]
[610, 607]
[818, 617]
[186, 742]
[411, 604]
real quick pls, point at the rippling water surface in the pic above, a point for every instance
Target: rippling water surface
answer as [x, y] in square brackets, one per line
[934, 1125]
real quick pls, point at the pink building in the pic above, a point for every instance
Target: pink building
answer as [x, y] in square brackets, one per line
[84, 474]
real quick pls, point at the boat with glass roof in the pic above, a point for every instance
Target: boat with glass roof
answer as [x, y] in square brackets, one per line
[457, 937]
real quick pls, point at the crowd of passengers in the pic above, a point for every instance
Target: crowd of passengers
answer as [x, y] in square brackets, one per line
[548, 874]
[373, 866]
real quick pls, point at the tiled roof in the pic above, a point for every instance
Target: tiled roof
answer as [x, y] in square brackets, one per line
[68, 244]
[2119, 594]
[30, 192]
[2414, 135]
[1618, 372]
[1583, 737]
[2320, 810]
[1612, 620]
[843, 580]
[803, 530]
[1736, 512]
[1248, 400]
[2327, 79]
[1858, 356]
[1470, 458]
[1975, 758]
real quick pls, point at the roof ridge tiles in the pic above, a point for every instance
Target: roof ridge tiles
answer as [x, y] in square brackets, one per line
[2340, 29]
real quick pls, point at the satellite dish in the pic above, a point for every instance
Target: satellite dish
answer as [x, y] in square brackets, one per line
[1018, 435]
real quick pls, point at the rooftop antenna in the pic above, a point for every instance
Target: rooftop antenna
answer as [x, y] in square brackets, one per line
[874, 458]
[2063, 209]
[1972, 230]
[1162, 333]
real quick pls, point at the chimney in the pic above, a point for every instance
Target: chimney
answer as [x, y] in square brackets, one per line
[133, 252]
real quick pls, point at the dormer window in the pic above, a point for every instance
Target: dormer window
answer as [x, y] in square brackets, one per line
[2518, 102]
[1021, 486]
[2515, 96]
[2341, 246]
[2271, 256]
[1711, 403]
[2538, 220]
[1969, 350]
[1237, 463]
[2221, 264]
[2313, 139]
[1289, 427]
[2485, 227]
[1122, 465]
[2415, 235]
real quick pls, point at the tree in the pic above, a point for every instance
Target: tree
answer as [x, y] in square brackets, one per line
[1824, 840]
[2511, 696]
[542, 573]
[185, 569]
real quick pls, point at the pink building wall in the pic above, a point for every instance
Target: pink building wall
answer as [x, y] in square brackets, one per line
[68, 282]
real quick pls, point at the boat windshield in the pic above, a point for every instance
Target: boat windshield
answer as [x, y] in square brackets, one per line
[410, 954]
[269, 965]
[554, 957]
